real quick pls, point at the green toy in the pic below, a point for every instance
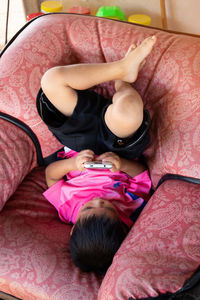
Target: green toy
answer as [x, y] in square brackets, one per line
[112, 12]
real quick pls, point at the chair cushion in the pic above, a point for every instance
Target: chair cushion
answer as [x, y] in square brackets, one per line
[162, 250]
[173, 97]
[17, 158]
[35, 261]
[168, 83]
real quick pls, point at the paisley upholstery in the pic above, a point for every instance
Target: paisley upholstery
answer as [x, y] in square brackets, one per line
[17, 158]
[162, 250]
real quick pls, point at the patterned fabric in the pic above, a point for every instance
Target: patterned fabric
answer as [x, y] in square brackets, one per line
[170, 76]
[17, 158]
[35, 261]
[162, 250]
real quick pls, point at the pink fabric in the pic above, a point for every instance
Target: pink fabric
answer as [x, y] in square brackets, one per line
[173, 96]
[169, 78]
[35, 262]
[81, 187]
[162, 250]
[17, 158]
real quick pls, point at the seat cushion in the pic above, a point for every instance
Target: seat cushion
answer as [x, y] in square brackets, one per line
[162, 251]
[173, 97]
[35, 261]
[17, 158]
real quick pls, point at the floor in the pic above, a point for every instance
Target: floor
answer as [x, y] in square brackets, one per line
[16, 19]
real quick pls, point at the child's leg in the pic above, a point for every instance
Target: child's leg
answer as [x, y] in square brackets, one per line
[59, 83]
[125, 115]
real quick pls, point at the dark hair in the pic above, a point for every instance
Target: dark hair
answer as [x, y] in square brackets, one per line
[94, 242]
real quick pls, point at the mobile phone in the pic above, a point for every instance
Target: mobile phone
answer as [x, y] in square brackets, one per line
[97, 165]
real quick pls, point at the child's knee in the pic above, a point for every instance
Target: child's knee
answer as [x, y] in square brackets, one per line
[129, 110]
[50, 77]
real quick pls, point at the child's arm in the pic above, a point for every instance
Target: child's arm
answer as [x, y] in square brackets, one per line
[58, 169]
[130, 167]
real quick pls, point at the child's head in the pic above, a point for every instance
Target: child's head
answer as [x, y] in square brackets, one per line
[96, 236]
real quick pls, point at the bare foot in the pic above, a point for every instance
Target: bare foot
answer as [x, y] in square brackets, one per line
[135, 58]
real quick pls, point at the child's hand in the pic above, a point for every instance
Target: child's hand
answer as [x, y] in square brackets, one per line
[111, 157]
[82, 157]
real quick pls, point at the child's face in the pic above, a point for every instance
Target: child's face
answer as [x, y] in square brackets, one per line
[98, 207]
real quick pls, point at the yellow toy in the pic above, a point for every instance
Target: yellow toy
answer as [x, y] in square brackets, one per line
[51, 6]
[140, 19]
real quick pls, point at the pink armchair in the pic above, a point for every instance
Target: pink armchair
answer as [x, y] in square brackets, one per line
[162, 251]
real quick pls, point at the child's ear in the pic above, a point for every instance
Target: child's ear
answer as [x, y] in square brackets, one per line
[72, 230]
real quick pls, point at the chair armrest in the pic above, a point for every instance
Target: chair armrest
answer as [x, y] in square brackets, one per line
[17, 158]
[161, 251]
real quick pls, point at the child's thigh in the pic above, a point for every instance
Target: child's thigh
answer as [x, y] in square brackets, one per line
[125, 115]
[63, 97]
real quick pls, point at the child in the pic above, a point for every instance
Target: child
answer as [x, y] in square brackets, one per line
[102, 204]
[98, 203]
[82, 119]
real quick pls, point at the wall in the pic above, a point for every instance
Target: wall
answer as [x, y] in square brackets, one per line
[182, 15]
